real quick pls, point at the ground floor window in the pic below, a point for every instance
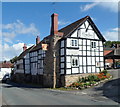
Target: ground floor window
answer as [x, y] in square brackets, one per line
[74, 62]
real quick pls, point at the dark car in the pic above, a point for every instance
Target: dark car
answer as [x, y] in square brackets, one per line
[6, 78]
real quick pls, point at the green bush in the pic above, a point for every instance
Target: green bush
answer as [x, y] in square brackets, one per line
[105, 72]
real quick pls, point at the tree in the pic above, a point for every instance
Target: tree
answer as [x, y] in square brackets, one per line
[13, 59]
[111, 44]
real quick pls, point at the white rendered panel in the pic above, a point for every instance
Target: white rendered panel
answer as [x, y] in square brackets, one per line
[84, 42]
[101, 53]
[93, 69]
[88, 53]
[68, 65]
[68, 59]
[88, 48]
[89, 69]
[84, 69]
[86, 24]
[82, 26]
[93, 53]
[102, 64]
[80, 42]
[100, 42]
[97, 70]
[84, 53]
[88, 60]
[68, 71]
[84, 48]
[101, 48]
[101, 59]
[80, 61]
[75, 70]
[93, 60]
[80, 48]
[88, 42]
[81, 70]
[74, 34]
[80, 52]
[72, 52]
[68, 42]
[84, 60]
[97, 53]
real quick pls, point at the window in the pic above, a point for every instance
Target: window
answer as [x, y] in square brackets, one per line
[93, 44]
[74, 43]
[74, 62]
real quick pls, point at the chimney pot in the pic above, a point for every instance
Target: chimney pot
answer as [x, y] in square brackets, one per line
[37, 40]
[24, 47]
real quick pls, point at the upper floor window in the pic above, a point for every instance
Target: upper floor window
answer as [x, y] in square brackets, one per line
[93, 44]
[74, 43]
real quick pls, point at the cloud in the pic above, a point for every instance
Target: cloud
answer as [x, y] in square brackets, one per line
[112, 34]
[111, 6]
[88, 6]
[11, 30]
[61, 22]
[9, 52]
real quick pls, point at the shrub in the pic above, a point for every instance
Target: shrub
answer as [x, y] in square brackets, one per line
[105, 72]
[108, 75]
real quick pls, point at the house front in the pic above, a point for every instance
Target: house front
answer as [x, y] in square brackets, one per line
[67, 54]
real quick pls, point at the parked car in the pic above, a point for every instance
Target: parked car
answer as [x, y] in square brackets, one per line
[6, 78]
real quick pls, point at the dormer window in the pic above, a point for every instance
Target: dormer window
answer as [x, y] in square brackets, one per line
[74, 43]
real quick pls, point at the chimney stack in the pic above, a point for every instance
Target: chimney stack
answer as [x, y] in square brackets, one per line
[37, 40]
[24, 47]
[54, 24]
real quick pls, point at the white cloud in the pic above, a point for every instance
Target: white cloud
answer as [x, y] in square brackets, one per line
[11, 30]
[111, 6]
[61, 22]
[112, 34]
[88, 6]
[9, 52]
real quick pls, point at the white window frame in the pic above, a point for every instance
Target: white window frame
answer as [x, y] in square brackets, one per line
[74, 43]
[74, 59]
[93, 44]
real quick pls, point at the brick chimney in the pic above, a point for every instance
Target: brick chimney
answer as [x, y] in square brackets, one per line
[37, 40]
[54, 24]
[24, 47]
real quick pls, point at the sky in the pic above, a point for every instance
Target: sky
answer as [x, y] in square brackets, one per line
[23, 21]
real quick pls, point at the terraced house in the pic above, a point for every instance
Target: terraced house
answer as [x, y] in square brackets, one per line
[66, 54]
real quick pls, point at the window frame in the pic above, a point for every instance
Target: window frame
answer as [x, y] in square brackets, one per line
[93, 45]
[75, 60]
[74, 43]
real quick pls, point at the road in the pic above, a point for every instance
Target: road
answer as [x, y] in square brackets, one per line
[13, 94]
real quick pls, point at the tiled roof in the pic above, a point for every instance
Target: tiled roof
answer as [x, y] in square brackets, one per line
[71, 28]
[24, 53]
[6, 65]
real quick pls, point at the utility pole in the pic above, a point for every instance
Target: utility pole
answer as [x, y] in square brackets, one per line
[54, 73]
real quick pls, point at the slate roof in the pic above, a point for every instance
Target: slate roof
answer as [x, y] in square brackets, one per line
[70, 29]
[24, 52]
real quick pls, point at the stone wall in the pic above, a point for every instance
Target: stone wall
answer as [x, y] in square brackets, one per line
[69, 79]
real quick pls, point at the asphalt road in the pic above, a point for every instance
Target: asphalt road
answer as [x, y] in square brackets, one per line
[13, 94]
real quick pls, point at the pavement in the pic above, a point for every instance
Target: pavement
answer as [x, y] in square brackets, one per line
[103, 94]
